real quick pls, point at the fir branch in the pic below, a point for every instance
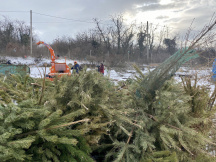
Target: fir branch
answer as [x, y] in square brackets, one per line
[67, 124]
[43, 87]
[155, 119]
[134, 124]
[173, 127]
[84, 106]
[124, 150]
[212, 99]
[152, 117]
[36, 84]
[54, 127]
[184, 145]
[129, 138]
[124, 130]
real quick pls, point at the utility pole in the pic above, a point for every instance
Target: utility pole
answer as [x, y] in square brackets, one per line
[150, 45]
[31, 32]
[147, 43]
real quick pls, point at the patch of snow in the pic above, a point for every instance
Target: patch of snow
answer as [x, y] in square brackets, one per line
[37, 71]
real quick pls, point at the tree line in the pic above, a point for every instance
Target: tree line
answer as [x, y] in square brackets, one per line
[115, 43]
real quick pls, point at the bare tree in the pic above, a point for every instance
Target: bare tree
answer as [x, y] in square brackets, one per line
[23, 33]
[6, 33]
[104, 34]
[117, 31]
[123, 34]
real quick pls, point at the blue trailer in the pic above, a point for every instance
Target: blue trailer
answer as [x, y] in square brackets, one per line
[14, 69]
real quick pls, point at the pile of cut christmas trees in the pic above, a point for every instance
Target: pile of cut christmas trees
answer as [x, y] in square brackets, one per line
[87, 118]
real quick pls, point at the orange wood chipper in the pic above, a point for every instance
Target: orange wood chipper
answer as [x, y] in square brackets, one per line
[57, 69]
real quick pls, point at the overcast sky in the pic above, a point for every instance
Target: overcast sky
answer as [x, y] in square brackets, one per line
[55, 18]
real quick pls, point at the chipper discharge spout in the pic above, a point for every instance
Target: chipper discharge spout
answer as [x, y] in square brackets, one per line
[57, 69]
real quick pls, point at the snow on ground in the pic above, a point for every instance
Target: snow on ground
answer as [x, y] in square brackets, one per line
[33, 61]
[37, 71]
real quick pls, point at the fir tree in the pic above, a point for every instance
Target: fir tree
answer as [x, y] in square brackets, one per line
[173, 126]
[57, 121]
[167, 115]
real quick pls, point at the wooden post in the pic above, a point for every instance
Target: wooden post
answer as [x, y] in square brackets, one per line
[147, 43]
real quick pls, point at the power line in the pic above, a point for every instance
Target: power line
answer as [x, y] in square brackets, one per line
[83, 21]
[63, 18]
[90, 22]
[14, 11]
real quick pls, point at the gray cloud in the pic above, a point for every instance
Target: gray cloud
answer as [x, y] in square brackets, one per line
[81, 10]
[158, 6]
[162, 17]
[84, 11]
[198, 15]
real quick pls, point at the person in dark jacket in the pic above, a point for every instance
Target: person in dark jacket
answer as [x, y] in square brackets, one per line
[101, 68]
[76, 67]
[9, 62]
[98, 68]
